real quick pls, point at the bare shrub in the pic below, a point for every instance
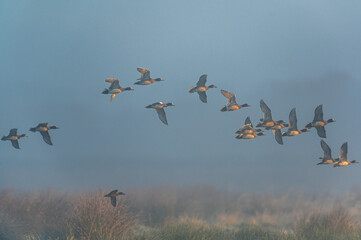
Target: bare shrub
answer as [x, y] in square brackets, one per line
[95, 218]
[335, 224]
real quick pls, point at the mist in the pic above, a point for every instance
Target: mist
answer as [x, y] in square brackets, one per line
[55, 56]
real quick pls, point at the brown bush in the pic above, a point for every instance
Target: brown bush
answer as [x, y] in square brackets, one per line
[95, 218]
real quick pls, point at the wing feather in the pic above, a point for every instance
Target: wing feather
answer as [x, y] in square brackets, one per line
[202, 81]
[161, 115]
[46, 137]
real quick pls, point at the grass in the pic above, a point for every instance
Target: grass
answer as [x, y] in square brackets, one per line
[172, 214]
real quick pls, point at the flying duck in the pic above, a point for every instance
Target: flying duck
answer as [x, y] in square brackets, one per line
[159, 108]
[249, 135]
[327, 156]
[247, 128]
[342, 160]
[114, 88]
[292, 127]
[145, 78]
[13, 137]
[319, 123]
[43, 128]
[268, 122]
[113, 196]
[232, 104]
[201, 88]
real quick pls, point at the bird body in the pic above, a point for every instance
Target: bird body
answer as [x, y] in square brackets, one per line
[249, 135]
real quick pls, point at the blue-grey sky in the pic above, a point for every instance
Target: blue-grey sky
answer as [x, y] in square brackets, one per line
[54, 57]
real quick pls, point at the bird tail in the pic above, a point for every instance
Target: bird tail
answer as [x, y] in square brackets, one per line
[224, 109]
[105, 91]
[308, 125]
[33, 129]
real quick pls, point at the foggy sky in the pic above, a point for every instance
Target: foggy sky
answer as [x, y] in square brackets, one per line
[54, 57]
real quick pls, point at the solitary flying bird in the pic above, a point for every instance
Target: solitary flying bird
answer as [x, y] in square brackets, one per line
[13, 137]
[113, 196]
[145, 78]
[159, 108]
[114, 88]
[43, 128]
[201, 88]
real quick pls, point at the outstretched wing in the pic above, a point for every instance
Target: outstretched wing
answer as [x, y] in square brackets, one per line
[267, 114]
[321, 131]
[248, 122]
[326, 150]
[161, 115]
[202, 81]
[113, 201]
[318, 114]
[227, 94]
[343, 153]
[112, 192]
[15, 144]
[145, 73]
[46, 137]
[114, 83]
[293, 120]
[13, 132]
[278, 136]
[203, 96]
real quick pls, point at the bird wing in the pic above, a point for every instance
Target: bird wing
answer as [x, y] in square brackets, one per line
[13, 132]
[145, 73]
[278, 136]
[227, 94]
[46, 137]
[161, 115]
[321, 131]
[203, 96]
[326, 150]
[114, 83]
[15, 144]
[202, 81]
[293, 120]
[267, 114]
[318, 114]
[112, 192]
[248, 122]
[113, 201]
[343, 153]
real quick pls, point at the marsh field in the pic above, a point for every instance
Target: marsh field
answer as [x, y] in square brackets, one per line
[178, 213]
[218, 120]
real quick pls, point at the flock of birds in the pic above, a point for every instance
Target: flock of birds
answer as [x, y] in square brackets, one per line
[247, 131]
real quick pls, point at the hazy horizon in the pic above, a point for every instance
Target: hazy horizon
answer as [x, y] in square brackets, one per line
[56, 55]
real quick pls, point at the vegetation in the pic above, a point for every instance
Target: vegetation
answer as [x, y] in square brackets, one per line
[172, 214]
